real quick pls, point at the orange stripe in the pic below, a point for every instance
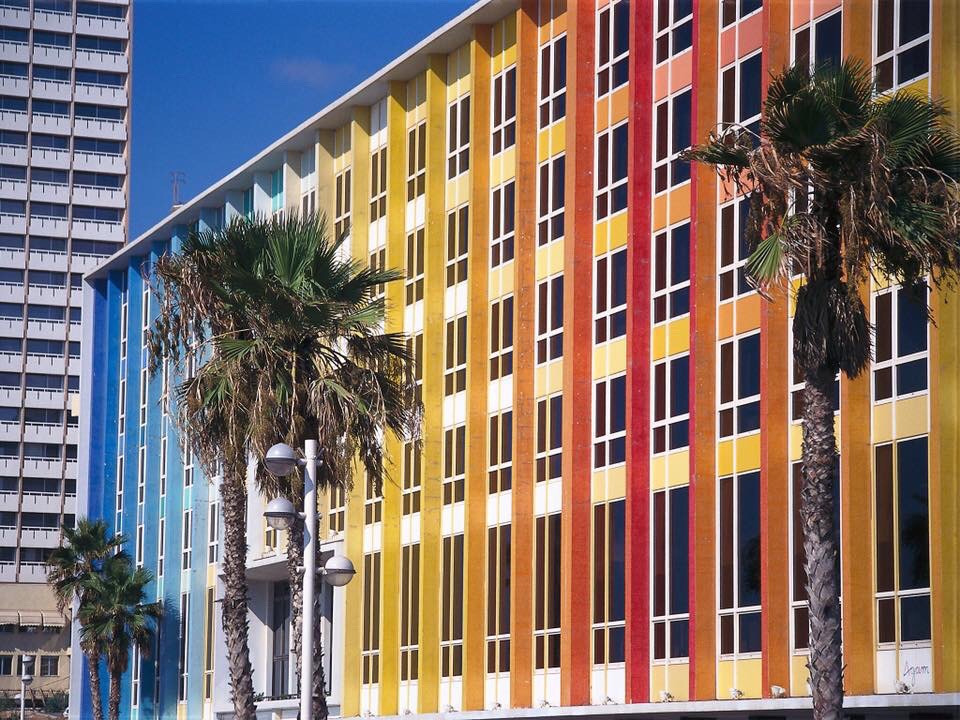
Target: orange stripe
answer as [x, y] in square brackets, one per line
[703, 574]
[577, 358]
[774, 441]
[474, 634]
[856, 581]
[524, 412]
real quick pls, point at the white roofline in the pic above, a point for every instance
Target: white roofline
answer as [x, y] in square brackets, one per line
[444, 39]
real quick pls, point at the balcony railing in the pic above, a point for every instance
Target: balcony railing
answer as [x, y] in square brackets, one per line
[96, 161]
[93, 195]
[50, 157]
[52, 54]
[107, 94]
[53, 20]
[15, 51]
[98, 230]
[102, 60]
[47, 122]
[96, 25]
[13, 120]
[51, 89]
[113, 129]
[15, 189]
[13, 84]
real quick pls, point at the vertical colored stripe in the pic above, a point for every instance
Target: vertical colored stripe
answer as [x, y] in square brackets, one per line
[703, 333]
[353, 621]
[774, 422]
[638, 346]
[475, 597]
[856, 486]
[577, 356]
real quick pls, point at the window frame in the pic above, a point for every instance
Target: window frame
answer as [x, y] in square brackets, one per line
[552, 94]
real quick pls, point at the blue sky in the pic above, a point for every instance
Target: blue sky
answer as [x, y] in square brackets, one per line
[216, 81]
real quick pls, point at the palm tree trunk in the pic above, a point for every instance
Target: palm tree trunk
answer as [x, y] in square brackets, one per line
[820, 545]
[113, 699]
[320, 710]
[233, 492]
[295, 579]
[93, 669]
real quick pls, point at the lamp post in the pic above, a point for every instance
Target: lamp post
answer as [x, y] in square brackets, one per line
[26, 677]
[281, 514]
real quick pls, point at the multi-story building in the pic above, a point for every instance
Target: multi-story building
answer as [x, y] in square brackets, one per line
[604, 511]
[64, 127]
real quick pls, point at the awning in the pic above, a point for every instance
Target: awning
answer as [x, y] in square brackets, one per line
[9, 617]
[31, 618]
[53, 620]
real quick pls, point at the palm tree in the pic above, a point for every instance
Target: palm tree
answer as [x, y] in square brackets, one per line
[70, 569]
[843, 185]
[115, 616]
[291, 337]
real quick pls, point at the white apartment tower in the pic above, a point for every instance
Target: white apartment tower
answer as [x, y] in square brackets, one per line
[64, 157]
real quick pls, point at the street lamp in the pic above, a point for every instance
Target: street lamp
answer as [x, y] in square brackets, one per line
[26, 677]
[281, 514]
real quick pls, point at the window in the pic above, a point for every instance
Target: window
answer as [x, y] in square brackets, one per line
[458, 232]
[674, 28]
[502, 224]
[903, 541]
[50, 665]
[412, 478]
[504, 125]
[454, 463]
[415, 352]
[610, 297]
[671, 404]
[671, 596]
[371, 618]
[498, 598]
[671, 273]
[501, 452]
[161, 545]
[902, 42]
[550, 319]
[501, 338]
[414, 274]
[740, 385]
[901, 342]
[733, 10]
[341, 210]
[740, 564]
[673, 128]
[183, 638]
[451, 628]
[455, 359]
[613, 46]
[609, 582]
[824, 37]
[186, 545]
[553, 81]
[547, 568]
[549, 438]
[612, 171]
[378, 263]
[337, 510]
[458, 137]
[208, 645]
[6, 665]
[280, 636]
[740, 94]
[610, 422]
[372, 503]
[378, 184]
[409, 611]
[551, 200]
[416, 161]
[801, 616]
[213, 533]
[734, 249]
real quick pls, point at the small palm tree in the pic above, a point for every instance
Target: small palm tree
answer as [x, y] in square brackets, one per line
[291, 337]
[844, 185]
[70, 569]
[115, 616]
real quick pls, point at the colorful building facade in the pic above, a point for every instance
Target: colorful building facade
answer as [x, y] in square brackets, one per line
[604, 510]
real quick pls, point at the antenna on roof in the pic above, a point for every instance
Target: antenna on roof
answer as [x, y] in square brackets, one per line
[178, 179]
